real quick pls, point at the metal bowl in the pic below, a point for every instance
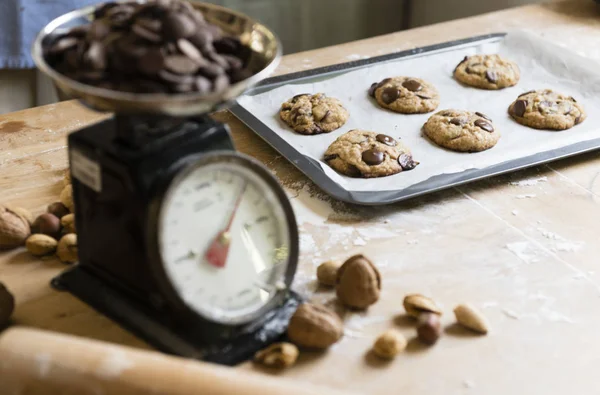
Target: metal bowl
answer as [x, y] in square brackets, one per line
[265, 56]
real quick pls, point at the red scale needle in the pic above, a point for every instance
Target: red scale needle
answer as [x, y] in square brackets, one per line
[219, 248]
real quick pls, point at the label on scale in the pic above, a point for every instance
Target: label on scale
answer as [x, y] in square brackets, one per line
[86, 170]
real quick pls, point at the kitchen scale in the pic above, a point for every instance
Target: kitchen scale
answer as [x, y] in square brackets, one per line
[182, 240]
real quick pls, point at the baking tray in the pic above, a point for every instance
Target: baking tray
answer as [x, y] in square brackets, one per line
[313, 170]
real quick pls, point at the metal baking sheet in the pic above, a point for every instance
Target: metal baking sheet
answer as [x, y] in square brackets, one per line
[312, 169]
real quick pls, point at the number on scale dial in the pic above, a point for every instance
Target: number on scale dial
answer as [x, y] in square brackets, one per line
[224, 240]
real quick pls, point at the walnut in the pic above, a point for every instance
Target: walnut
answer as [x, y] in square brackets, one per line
[315, 326]
[277, 355]
[358, 282]
[14, 229]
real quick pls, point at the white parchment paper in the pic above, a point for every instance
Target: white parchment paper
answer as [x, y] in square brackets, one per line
[542, 64]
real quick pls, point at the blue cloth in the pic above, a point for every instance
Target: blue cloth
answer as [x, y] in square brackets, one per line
[20, 22]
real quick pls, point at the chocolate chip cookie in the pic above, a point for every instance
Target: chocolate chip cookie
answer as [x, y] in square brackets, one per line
[463, 131]
[487, 72]
[313, 114]
[359, 153]
[405, 95]
[546, 109]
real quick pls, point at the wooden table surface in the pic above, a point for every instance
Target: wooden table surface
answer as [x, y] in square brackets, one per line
[522, 247]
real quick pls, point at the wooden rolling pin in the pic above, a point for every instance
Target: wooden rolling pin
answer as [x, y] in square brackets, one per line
[34, 362]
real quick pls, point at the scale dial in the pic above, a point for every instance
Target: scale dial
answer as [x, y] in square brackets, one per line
[227, 238]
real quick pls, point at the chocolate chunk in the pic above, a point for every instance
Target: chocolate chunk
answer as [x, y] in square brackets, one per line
[482, 115]
[389, 95]
[189, 50]
[98, 30]
[232, 63]
[180, 64]
[146, 34]
[203, 84]
[63, 44]
[578, 119]
[227, 45]
[152, 62]
[373, 157]
[330, 157]
[406, 162]
[354, 171]
[485, 125]
[316, 129]
[167, 76]
[202, 38]
[176, 26]
[491, 76]
[383, 82]
[469, 69]
[423, 96]
[412, 85]
[95, 56]
[519, 108]
[572, 99]
[459, 121]
[372, 89]
[387, 140]
[526, 93]
[153, 25]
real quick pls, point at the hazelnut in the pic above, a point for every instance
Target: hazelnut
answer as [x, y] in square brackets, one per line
[68, 223]
[7, 305]
[327, 272]
[58, 209]
[40, 245]
[66, 198]
[471, 318]
[67, 248]
[415, 304]
[358, 282]
[389, 344]
[47, 224]
[277, 355]
[315, 326]
[14, 229]
[429, 328]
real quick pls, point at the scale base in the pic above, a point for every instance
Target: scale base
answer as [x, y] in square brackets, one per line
[141, 321]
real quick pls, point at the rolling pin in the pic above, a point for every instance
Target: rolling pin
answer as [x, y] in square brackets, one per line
[35, 362]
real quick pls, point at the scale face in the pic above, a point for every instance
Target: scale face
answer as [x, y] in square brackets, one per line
[224, 239]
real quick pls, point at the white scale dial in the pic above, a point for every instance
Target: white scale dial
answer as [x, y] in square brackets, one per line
[224, 241]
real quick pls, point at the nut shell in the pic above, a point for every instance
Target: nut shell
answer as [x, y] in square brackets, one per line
[358, 282]
[67, 248]
[315, 326]
[327, 273]
[40, 245]
[7, 305]
[471, 318]
[22, 212]
[14, 229]
[389, 344]
[68, 223]
[415, 304]
[277, 355]
[66, 197]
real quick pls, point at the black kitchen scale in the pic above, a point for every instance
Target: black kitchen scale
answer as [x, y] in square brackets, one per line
[183, 241]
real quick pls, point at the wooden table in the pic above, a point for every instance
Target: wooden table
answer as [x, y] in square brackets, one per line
[522, 247]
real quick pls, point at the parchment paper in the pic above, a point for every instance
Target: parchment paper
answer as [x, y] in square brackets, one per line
[542, 64]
